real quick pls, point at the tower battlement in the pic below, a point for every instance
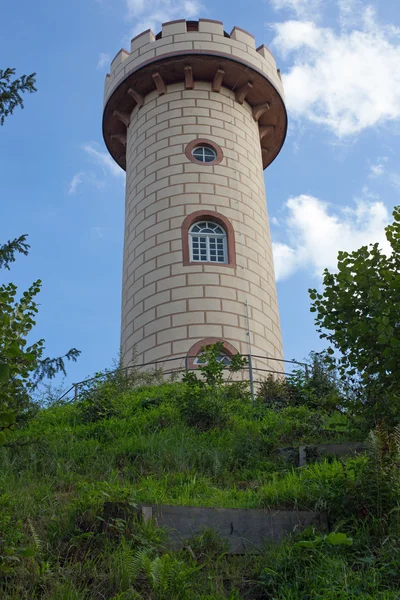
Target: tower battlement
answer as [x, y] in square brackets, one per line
[182, 36]
[190, 52]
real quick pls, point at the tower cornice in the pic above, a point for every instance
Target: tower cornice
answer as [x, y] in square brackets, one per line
[183, 53]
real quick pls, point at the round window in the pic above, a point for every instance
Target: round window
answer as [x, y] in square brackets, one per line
[204, 154]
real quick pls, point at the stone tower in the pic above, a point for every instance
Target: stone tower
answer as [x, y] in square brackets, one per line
[194, 115]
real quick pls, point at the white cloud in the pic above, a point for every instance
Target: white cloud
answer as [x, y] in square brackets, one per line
[378, 169]
[84, 177]
[301, 8]
[349, 11]
[104, 160]
[104, 60]
[346, 81]
[316, 232]
[101, 159]
[75, 182]
[97, 233]
[151, 14]
[394, 179]
[284, 260]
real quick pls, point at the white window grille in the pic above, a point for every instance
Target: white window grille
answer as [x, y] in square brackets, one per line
[208, 243]
[204, 154]
[222, 358]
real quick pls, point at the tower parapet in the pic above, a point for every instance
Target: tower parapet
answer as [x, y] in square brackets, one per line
[194, 115]
[193, 51]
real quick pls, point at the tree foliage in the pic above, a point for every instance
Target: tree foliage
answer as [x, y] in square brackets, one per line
[358, 313]
[11, 91]
[22, 366]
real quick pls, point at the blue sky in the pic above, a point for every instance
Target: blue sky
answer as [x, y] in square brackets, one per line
[332, 187]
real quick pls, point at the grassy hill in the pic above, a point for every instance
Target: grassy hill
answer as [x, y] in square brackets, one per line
[189, 444]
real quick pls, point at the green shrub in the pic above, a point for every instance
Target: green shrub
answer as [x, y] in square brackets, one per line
[98, 397]
[315, 387]
[208, 402]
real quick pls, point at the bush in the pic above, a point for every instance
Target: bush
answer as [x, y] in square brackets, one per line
[208, 403]
[275, 392]
[98, 399]
[315, 387]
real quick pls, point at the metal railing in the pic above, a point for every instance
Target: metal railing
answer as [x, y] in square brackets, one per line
[185, 366]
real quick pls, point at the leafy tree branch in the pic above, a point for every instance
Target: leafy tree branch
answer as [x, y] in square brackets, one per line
[11, 91]
[22, 367]
[358, 314]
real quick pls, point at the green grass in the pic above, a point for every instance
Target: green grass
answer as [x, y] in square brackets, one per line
[69, 460]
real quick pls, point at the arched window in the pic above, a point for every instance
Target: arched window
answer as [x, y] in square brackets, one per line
[221, 358]
[208, 237]
[208, 242]
[196, 356]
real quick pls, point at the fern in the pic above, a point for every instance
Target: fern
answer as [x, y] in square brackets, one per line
[167, 576]
[396, 437]
[382, 478]
[38, 542]
[140, 561]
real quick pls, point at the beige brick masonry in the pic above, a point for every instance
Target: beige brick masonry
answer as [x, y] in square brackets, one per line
[168, 305]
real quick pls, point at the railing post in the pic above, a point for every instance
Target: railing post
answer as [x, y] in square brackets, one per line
[249, 355]
[251, 377]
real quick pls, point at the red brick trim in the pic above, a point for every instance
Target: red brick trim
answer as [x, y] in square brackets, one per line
[173, 22]
[199, 215]
[197, 347]
[203, 142]
[210, 21]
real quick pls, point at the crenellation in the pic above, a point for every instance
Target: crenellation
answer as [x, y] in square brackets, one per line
[144, 38]
[173, 27]
[233, 43]
[119, 58]
[212, 27]
[266, 53]
[164, 41]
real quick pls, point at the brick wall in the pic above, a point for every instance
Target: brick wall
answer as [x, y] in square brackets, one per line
[166, 306]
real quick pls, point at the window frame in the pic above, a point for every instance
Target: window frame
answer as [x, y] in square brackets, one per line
[208, 215]
[203, 142]
[220, 358]
[204, 148]
[196, 349]
[207, 237]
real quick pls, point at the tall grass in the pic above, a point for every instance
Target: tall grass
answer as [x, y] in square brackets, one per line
[61, 470]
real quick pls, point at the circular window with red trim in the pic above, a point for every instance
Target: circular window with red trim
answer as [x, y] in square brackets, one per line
[204, 152]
